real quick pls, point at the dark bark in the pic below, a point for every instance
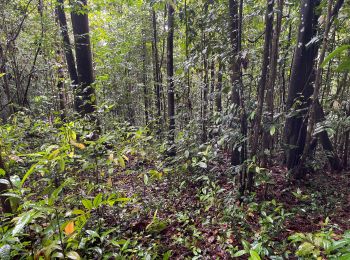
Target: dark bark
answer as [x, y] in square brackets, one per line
[70, 59]
[300, 87]
[235, 68]
[6, 112]
[298, 171]
[218, 99]
[262, 84]
[170, 79]
[212, 86]
[205, 90]
[267, 138]
[85, 90]
[60, 89]
[188, 80]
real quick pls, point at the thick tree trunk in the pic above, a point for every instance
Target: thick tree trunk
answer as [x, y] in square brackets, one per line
[312, 112]
[85, 91]
[300, 87]
[170, 75]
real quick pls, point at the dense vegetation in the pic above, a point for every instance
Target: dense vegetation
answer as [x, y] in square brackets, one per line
[163, 129]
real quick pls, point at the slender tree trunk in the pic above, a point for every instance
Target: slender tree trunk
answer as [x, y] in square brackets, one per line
[144, 77]
[86, 91]
[218, 91]
[267, 138]
[60, 89]
[170, 75]
[7, 101]
[70, 59]
[262, 84]
[212, 86]
[235, 68]
[205, 89]
[188, 80]
[157, 73]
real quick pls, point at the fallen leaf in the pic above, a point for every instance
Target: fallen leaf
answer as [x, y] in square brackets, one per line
[69, 229]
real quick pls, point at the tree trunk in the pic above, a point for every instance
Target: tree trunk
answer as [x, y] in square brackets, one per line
[157, 75]
[235, 68]
[218, 99]
[85, 91]
[188, 80]
[205, 89]
[170, 75]
[7, 106]
[262, 84]
[144, 77]
[267, 138]
[300, 87]
[298, 171]
[61, 16]
[60, 89]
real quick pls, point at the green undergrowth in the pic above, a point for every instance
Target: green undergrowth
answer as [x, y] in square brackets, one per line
[118, 196]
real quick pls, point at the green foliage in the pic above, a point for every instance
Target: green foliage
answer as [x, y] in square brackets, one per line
[321, 244]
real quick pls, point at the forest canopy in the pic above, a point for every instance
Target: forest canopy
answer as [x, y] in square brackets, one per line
[174, 129]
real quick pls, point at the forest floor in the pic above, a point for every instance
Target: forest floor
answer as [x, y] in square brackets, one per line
[200, 216]
[125, 200]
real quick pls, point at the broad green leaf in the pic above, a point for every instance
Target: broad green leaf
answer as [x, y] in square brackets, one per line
[167, 255]
[16, 181]
[28, 173]
[92, 233]
[272, 130]
[22, 221]
[334, 53]
[97, 200]
[73, 255]
[121, 161]
[254, 255]
[305, 249]
[239, 253]
[87, 204]
[246, 245]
